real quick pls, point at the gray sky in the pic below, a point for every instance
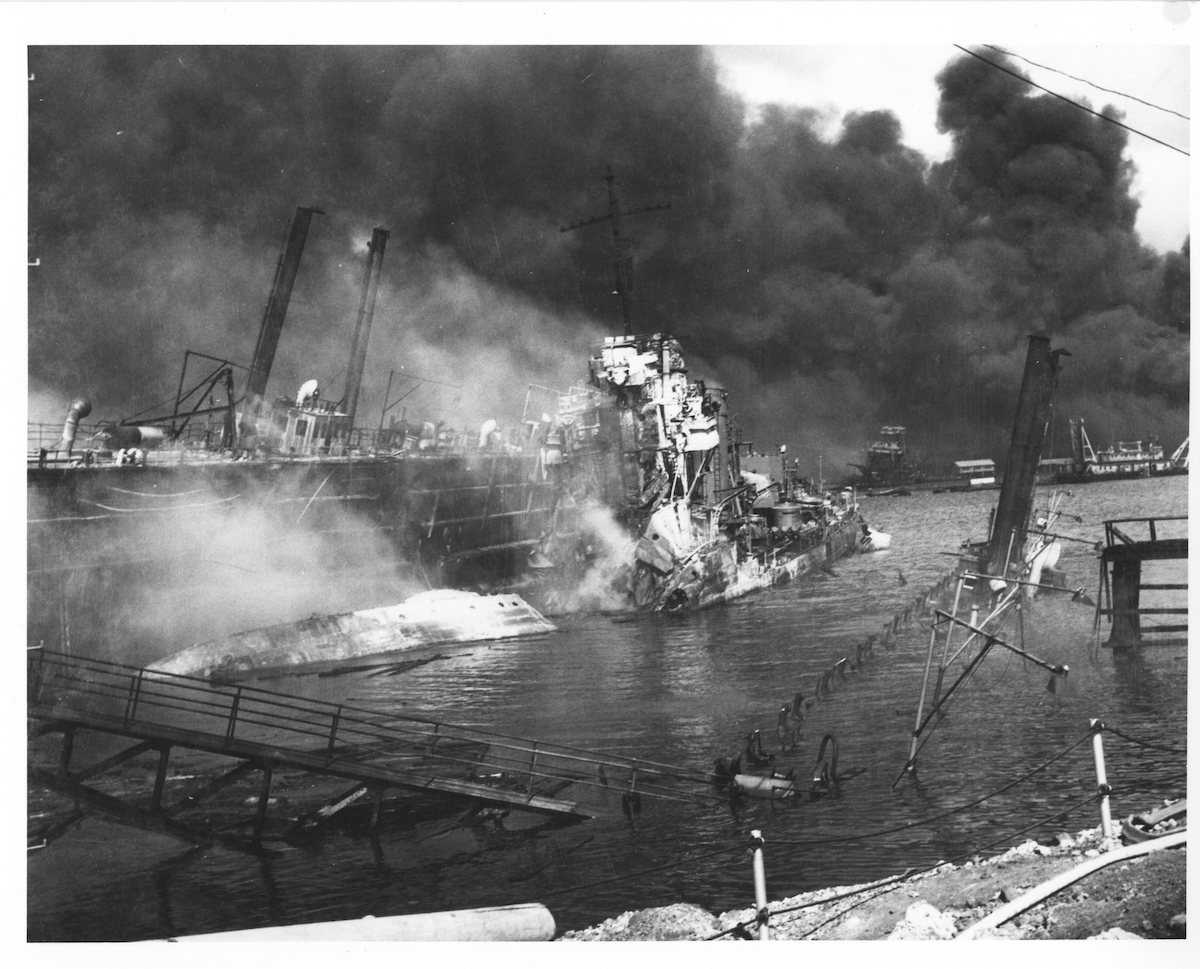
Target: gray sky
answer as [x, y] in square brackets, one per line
[836, 79]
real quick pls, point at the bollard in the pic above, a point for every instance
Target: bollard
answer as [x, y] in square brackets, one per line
[1101, 778]
[762, 913]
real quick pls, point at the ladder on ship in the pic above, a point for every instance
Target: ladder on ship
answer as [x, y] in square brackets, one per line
[265, 731]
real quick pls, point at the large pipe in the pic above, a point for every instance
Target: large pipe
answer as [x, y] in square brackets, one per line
[277, 305]
[362, 329]
[79, 409]
[506, 923]
[1024, 452]
[1058, 883]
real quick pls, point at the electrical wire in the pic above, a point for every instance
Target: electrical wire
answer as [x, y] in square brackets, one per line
[1142, 743]
[1084, 80]
[1073, 103]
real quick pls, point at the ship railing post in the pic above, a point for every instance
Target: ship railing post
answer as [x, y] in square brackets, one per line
[761, 913]
[337, 716]
[233, 715]
[1101, 778]
[533, 755]
[135, 692]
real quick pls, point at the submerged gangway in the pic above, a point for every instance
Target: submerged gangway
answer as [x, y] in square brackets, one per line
[266, 730]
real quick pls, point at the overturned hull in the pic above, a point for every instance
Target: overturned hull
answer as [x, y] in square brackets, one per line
[434, 618]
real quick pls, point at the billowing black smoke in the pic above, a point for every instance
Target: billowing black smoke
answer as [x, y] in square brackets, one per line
[831, 286]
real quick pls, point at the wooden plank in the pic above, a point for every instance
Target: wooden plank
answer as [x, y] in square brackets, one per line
[109, 762]
[214, 787]
[1147, 611]
[1164, 548]
[123, 813]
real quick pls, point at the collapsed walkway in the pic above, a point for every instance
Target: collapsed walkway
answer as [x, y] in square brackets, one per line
[265, 730]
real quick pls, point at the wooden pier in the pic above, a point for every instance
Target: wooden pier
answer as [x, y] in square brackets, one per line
[1128, 543]
[264, 731]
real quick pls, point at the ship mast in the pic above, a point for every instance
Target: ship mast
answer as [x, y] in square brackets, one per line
[623, 261]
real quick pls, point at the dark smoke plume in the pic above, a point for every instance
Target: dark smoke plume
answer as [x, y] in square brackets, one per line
[831, 286]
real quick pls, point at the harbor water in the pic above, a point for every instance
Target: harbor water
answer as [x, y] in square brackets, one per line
[684, 690]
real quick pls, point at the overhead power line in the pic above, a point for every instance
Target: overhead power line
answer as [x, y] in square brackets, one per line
[1081, 107]
[1084, 80]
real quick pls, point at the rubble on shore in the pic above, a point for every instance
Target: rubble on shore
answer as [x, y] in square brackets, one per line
[1139, 898]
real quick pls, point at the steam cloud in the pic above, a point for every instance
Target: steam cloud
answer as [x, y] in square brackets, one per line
[831, 286]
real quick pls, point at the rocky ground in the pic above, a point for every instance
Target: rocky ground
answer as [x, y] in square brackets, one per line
[1141, 898]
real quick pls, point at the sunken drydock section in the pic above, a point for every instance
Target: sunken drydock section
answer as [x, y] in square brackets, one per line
[433, 618]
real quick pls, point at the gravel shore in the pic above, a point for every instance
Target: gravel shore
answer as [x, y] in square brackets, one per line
[1140, 898]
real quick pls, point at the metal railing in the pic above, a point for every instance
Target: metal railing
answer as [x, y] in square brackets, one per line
[129, 699]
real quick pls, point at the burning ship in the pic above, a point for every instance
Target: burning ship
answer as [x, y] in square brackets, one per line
[662, 449]
[643, 441]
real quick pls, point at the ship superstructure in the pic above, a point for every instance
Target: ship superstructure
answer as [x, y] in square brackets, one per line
[1124, 459]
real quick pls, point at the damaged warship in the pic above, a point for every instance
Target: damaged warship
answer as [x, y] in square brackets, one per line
[645, 445]
[662, 451]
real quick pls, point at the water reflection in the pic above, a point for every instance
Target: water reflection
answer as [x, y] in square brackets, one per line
[685, 691]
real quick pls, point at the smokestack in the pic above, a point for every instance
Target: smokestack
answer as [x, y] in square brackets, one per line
[362, 329]
[1024, 452]
[277, 305]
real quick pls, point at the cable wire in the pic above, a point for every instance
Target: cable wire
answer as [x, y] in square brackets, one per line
[938, 817]
[889, 883]
[1142, 743]
[1084, 80]
[1074, 103]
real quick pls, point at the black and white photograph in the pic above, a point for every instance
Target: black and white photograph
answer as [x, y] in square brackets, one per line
[705, 472]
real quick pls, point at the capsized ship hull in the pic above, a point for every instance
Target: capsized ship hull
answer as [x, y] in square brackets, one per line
[434, 618]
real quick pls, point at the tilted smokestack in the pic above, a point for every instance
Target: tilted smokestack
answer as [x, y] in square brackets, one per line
[1024, 453]
[277, 305]
[362, 329]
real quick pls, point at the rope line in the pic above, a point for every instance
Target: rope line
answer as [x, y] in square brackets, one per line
[895, 880]
[1143, 743]
[956, 858]
[945, 814]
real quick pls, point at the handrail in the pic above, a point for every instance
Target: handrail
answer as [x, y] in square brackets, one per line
[136, 698]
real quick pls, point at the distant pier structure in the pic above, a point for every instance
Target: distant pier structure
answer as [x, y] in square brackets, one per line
[1129, 542]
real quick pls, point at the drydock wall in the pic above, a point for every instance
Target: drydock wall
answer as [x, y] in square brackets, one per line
[121, 553]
